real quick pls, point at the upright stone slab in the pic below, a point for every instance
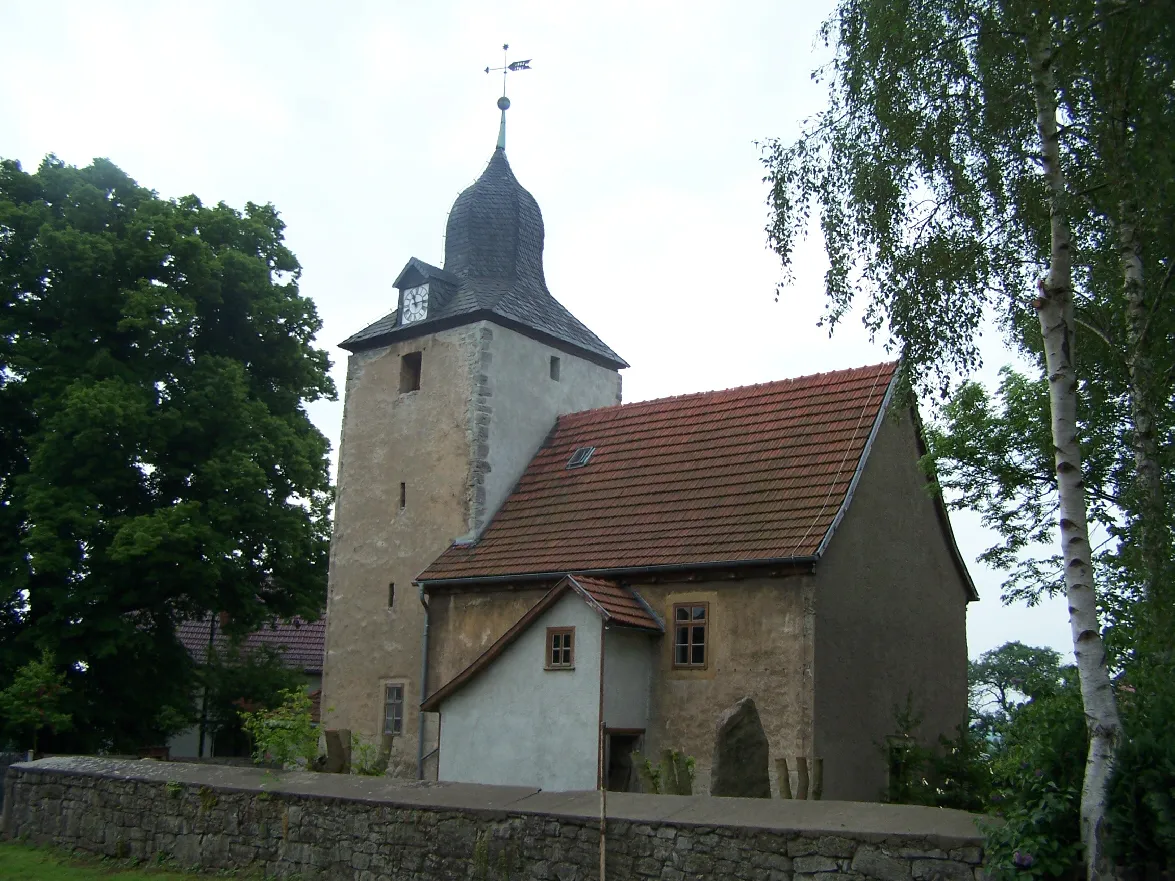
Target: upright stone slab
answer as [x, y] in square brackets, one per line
[739, 766]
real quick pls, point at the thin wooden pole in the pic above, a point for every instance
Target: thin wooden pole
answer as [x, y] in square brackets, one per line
[600, 769]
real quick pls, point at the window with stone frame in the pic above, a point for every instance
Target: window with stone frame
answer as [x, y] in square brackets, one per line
[560, 648]
[691, 625]
[393, 708]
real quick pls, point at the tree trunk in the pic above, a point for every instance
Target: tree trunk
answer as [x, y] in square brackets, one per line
[1153, 533]
[1054, 308]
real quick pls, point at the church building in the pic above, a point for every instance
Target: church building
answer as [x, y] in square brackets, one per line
[529, 580]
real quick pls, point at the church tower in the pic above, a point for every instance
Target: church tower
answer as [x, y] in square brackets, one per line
[447, 399]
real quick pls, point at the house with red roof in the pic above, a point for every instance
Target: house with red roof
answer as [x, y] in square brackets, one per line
[529, 579]
[298, 643]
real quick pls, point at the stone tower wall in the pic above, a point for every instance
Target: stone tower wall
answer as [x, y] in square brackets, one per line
[458, 444]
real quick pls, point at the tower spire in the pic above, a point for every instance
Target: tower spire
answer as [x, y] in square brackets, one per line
[504, 102]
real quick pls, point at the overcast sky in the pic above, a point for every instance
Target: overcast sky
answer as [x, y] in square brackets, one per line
[635, 130]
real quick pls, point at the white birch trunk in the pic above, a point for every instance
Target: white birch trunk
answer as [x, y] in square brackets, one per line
[1054, 308]
[1153, 530]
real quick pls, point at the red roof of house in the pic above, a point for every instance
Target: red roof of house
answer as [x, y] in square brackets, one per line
[619, 604]
[754, 473]
[615, 604]
[302, 643]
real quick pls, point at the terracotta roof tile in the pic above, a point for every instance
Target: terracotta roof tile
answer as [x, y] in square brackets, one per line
[302, 643]
[752, 473]
[620, 604]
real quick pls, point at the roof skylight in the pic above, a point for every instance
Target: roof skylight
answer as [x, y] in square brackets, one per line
[580, 457]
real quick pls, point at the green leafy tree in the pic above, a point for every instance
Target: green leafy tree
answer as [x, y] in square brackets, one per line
[982, 158]
[34, 700]
[1005, 677]
[158, 462]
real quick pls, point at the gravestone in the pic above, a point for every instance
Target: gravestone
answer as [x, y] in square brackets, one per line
[739, 766]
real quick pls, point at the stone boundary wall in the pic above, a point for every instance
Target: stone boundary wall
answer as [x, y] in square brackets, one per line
[368, 829]
[7, 759]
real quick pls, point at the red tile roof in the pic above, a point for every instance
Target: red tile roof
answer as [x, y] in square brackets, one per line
[615, 604]
[302, 643]
[753, 473]
[621, 605]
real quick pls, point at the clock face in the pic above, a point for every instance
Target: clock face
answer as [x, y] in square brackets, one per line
[415, 304]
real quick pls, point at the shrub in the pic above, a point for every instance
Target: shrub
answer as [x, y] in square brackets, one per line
[285, 735]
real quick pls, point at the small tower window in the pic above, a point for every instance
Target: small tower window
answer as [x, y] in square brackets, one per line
[555, 367]
[410, 372]
[391, 593]
[403, 496]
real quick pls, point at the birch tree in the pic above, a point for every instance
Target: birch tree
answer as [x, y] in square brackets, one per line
[939, 174]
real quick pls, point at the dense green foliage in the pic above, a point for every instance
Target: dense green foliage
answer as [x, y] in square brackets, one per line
[156, 459]
[238, 678]
[284, 736]
[33, 700]
[1021, 760]
[1142, 793]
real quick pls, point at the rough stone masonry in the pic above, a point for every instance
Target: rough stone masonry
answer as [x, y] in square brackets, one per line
[333, 826]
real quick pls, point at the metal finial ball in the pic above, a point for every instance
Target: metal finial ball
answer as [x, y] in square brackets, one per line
[503, 103]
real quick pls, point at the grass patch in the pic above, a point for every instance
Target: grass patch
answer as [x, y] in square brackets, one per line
[22, 862]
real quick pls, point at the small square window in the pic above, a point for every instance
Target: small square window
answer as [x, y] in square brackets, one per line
[393, 709]
[560, 648]
[410, 372]
[555, 368]
[690, 625]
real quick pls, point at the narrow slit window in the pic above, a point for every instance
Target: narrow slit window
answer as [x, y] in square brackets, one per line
[410, 372]
[391, 593]
[560, 648]
[580, 457]
[393, 709]
[555, 368]
[690, 634]
[403, 496]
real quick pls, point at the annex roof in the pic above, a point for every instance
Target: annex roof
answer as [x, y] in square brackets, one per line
[615, 603]
[753, 474]
[493, 270]
[302, 643]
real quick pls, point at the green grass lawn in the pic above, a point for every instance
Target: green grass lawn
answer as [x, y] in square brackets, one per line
[20, 862]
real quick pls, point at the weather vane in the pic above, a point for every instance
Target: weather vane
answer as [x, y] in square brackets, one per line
[507, 67]
[504, 102]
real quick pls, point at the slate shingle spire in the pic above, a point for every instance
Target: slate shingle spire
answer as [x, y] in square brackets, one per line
[493, 269]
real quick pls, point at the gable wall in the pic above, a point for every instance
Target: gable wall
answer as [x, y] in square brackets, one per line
[890, 620]
[519, 724]
[760, 647]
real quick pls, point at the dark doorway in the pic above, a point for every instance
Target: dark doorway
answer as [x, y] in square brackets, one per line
[622, 776]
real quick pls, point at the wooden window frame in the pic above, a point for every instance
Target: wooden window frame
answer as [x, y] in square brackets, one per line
[690, 636]
[388, 686]
[548, 648]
